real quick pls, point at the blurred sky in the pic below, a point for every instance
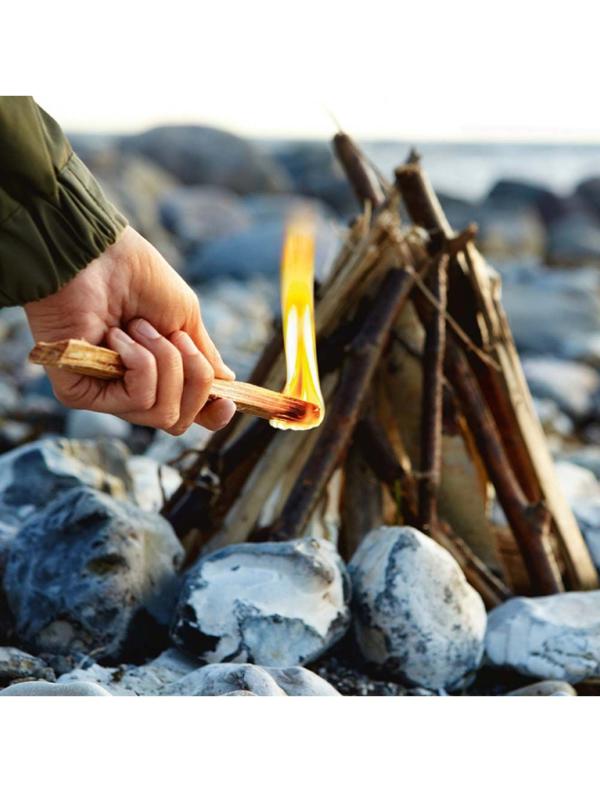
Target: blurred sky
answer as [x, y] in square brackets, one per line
[457, 70]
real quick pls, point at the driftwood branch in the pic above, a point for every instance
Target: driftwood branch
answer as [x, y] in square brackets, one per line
[529, 523]
[431, 410]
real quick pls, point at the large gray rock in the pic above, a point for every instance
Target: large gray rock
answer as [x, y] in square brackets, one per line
[275, 604]
[257, 251]
[574, 240]
[198, 214]
[31, 476]
[315, 171]
[136, 186]
[17, 665]
[556, 637]
[573, 386]
[92, 574]
[54, 689]
[204, 155]
[222, 679]
[415, 615]
[552, 312]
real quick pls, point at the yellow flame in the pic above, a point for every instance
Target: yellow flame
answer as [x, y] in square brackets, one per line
[297, 309]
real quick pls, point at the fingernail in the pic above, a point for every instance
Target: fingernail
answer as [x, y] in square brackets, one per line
[229, 371]
[120, 337]
[145, 328]
[188, 345]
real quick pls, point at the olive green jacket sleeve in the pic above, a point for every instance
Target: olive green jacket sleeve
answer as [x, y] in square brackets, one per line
[54, 218]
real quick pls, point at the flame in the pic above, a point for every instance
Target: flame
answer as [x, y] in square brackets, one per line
[297, 309]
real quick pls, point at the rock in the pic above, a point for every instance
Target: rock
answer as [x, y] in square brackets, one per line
[556, 637]
[198, 214]
[16, 664]
[518, 195]
[577, 483]
[552, 419]
[166, 448]
[9, 396]
[268, 207]
[532, 295]
[87, 425]
[573, 386]
[54, 689]
[315, 171]
[257, 252]
[204, 155]
[153, 483]
[31, 476]
[92, 574]
[221, 679]
[582, 490]
[415, 615]
[136, 185]
[274, 603]
[150, 679]
[589, 192]
[547, 688]
[509, 233]
[587, 457]
[574, 240]
[239, 318]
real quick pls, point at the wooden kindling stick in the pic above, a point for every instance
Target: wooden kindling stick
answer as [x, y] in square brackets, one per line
[79, 357]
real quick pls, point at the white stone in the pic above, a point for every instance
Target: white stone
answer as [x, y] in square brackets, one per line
[54, 689]
[549, 687]
[150, 679]
[416, 617]
[88, 425]
[573, 386]
[152, 482]
[556, 637]
[166, 448]
[273, 603]
[223, 679]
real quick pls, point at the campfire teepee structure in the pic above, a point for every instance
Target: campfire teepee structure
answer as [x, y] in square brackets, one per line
[429, 419]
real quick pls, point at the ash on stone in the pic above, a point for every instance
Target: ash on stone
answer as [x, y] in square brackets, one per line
[274, 604]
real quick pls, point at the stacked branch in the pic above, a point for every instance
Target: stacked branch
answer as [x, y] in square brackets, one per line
[427, 411]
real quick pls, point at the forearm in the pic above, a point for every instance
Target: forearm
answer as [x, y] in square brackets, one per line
[54, 218]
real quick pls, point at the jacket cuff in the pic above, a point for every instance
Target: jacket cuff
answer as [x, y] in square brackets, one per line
[46, 242]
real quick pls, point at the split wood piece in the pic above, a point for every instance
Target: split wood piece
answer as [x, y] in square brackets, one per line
[507, 392]
[530, 523]
[79, 357]
[431, 410]
[343, 414]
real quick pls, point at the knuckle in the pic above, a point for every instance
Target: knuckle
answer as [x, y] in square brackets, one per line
[145, 401]
[168, 418]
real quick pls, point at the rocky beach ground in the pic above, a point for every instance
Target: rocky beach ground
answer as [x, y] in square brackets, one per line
[93, 600]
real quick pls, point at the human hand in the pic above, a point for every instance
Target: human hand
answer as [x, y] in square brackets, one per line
[131, 300]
